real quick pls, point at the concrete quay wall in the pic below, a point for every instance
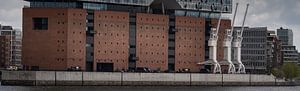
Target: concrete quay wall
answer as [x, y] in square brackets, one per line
[59, 78]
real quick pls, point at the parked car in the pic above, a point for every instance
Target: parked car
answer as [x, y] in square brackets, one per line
[185, 70]
[142, 69]
[12, 68]
[204, 71]
[74, 69]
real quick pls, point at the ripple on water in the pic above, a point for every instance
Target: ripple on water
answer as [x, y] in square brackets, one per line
[146, 88]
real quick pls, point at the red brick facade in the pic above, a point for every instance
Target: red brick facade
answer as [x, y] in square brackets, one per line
[59, 47]
[5, 47]
[111, 38]
[190, 43]
[152, 41]
[63, 44]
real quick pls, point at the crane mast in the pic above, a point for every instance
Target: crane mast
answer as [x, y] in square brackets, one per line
[227, 45]
[237, 43]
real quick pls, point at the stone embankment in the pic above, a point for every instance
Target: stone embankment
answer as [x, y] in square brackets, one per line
[59, 78]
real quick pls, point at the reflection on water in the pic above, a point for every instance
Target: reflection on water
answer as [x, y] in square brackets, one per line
[144, 88]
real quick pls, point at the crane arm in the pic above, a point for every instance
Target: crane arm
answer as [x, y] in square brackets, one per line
[233, 21]
[244, 20]
[219, 21]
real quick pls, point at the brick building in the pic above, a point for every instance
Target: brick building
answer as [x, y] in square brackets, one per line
[10, 47]
[5, 55]
[53, 38]
[114, 35]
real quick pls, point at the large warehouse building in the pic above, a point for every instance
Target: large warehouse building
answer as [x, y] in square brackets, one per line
[115, 35]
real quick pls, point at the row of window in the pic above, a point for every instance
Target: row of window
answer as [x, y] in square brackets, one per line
[113, 25]
[153, 53]
[112, 17]
[252, 64]
[154, 61]
[53, 4]
[253, 58]
[254, 40]
[152, 36]
[111, 34]
[78, 32]
[184, 62]
[108, 60]
[75, 51]
[253, 51]
[74, 23]
[295, 52]
[291, 56]
[62, 50]
[153, 19]
[111, 43]
[190, 22]
[188, 46]
[117, 52]
[188, 54]
[146, 44]
[72, 59]
[188, 30]
[152, 27]
[62, 41]
[253, 45]
[255, 33]
[74, 14]
[95, 6]
[188, 38]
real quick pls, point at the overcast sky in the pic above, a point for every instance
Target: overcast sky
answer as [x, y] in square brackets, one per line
[262, 13]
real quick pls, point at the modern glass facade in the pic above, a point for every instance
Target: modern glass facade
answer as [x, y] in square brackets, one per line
[197, 14]
[94, 6]
[286, 36]
[126, 2]
[186, 5]
[207, 5]
[37, 4]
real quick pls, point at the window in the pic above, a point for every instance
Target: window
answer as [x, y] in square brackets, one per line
[40, 23]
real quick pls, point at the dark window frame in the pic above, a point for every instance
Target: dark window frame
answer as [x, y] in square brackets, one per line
[40, 23]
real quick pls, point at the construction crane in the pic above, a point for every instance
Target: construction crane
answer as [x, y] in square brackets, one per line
[212, 44]
[227, 46]
[237, 44]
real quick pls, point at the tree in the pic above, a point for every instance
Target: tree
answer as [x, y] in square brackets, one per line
[290, 70]
[278, 73]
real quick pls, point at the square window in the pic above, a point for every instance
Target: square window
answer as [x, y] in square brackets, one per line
[40, 23]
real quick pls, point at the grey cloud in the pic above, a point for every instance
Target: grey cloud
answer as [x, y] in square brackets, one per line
[11, 12]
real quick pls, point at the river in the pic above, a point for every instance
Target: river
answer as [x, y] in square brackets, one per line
[148, 88]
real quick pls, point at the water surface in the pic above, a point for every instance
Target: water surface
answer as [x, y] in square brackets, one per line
[148, 88]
